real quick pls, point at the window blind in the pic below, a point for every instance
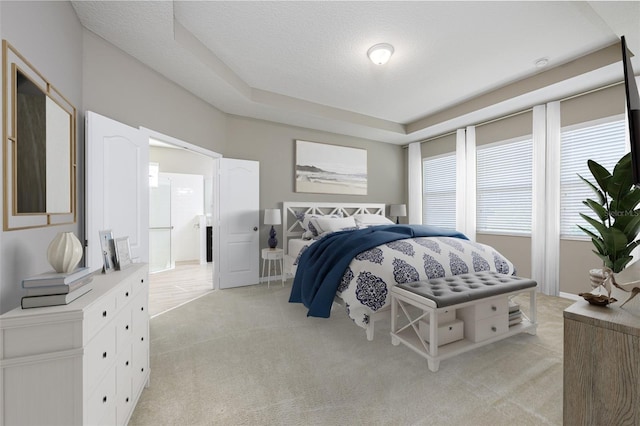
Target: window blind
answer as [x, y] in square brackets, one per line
[439, 191]
[503, 187]
[603, 142]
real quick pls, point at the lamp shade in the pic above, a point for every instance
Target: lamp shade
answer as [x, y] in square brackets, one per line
[272, 217]
[398, 210]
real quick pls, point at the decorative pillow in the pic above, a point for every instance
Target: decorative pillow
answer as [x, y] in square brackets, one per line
[309, 229]
[326, 225]
[364, 220]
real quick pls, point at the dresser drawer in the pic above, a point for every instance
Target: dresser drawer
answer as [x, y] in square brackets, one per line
[140, 365]
[124, 294]
[100, 355]
[124, 385]
[99, 315]
[101, 404]
[124, 329]
[139, 282]
[140, 312]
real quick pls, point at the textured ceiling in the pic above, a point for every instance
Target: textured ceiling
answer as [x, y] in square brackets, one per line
[305, 64]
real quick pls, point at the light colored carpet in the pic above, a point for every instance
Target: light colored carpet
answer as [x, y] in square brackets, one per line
[246, 356]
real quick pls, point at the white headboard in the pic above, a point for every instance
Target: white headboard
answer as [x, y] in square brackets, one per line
[292, 228]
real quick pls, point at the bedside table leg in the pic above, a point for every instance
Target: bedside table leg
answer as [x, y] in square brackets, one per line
[282, 271]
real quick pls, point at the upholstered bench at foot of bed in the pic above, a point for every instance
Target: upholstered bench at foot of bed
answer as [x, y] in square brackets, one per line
[480, 300]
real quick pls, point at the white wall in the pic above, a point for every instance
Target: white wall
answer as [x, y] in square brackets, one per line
[49, 36]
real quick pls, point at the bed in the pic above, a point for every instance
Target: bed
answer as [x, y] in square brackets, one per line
[361, 280]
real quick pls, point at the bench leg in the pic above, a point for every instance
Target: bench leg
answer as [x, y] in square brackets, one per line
[433, 364]
[370, 331]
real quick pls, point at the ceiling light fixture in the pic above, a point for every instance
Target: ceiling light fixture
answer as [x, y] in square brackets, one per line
[380, 53]
[541, 63]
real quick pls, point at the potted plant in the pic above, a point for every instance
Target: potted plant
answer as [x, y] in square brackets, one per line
[617, 224]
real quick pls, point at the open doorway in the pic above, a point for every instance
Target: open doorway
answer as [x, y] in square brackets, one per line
[181, 214]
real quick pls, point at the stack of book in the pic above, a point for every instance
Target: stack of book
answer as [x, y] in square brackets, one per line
[53, 288]
[515, 315]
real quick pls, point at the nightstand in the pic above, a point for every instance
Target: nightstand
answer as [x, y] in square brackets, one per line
[269, 256]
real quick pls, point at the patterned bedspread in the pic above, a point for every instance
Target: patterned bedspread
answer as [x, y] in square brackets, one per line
[366, 282]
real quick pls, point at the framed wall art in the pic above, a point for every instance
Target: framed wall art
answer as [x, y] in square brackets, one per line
[330, 169]
[108, 251]
[123, 252]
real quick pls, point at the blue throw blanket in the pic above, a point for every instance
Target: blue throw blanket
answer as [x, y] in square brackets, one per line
[321, 266]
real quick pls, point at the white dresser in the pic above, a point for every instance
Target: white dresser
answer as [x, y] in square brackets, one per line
[82, 363]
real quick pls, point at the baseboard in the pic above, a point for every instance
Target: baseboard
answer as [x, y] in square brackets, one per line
[570, 296]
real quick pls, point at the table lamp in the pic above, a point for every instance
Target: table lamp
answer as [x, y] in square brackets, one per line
[398, 210]
[272, 217]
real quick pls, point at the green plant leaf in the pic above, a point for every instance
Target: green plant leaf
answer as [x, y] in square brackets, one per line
[600, 227]
[632, 228]
[620, 263]
[597, 209]
[601, 175]
[599, 193]
[630, 202]
[605, 259]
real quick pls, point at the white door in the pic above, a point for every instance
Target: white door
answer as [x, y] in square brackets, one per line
[117, 185]
[239, 249]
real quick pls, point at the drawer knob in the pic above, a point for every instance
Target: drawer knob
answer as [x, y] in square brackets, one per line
[126, 294]
[493, 328]
[142, 370]
[494, 308]
[104, 399]
[142, 339]
[126, 327]
[104, 355]
[104, 314]
[126, 399]
[141, 280]
[142, 308]
[126, 363]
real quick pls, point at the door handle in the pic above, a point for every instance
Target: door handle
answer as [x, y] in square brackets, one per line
[255, 228]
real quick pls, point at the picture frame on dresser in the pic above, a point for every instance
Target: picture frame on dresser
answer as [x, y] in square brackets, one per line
[108, 251]
[123, 252]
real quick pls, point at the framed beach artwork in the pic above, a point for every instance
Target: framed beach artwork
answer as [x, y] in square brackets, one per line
[330, 169]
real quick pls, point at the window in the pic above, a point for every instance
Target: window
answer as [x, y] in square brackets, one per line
[439, 191]
[503, 187]
[602, 141]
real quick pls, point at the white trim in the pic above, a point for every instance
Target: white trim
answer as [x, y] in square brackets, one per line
[470, 179]
[551, 283]
[569, 296]
[538, 185]
[414, 182]
[461, 186]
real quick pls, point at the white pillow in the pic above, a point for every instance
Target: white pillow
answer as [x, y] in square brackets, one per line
[309, 230]
[365, 219]
[326, 225]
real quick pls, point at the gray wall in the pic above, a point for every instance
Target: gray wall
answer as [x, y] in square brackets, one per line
[49, 36]
[96, 76]
[274, 146]
[122, 88]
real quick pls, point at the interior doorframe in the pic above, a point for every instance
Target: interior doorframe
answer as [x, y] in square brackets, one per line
[215, 216]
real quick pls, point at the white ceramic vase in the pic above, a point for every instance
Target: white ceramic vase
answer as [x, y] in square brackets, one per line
[64, 252]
